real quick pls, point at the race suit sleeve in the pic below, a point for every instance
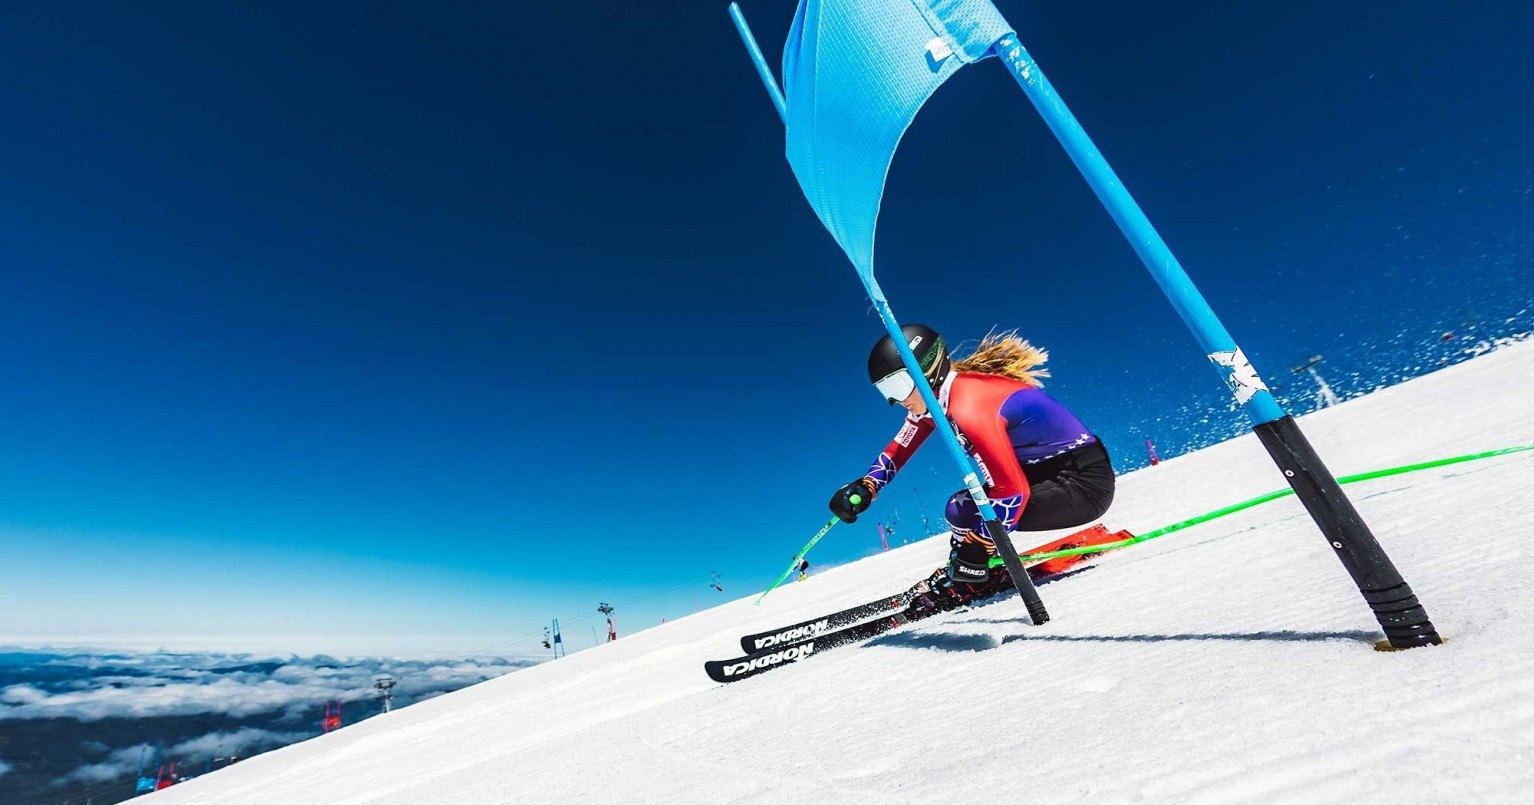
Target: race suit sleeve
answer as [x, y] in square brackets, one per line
[899, 451]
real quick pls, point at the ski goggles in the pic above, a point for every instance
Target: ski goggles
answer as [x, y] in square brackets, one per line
[896, 386]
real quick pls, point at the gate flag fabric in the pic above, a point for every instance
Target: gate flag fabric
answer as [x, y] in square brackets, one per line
[855, 73]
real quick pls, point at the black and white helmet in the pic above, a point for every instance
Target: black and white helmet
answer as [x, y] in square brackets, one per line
[888, 373]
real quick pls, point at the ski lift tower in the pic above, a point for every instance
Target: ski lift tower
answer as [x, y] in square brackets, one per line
[1328, 398]
[385, 685]
[612, 631]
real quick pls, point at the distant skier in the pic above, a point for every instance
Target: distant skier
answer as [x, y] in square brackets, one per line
[1042, 469]
[804, 569]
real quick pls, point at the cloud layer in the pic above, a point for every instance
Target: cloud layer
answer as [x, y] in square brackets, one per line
[215, 746]
[158, 685]
[84, 716]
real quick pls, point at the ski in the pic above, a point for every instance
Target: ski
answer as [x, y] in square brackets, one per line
[783, 654]
[1040, 573]
[789, 644]
[814, 627]
[1087, 537]
[797, 642]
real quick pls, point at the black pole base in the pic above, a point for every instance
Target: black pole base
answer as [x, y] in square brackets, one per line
[1020, 578]
[1404, 620]
[1036, 611]
[1386, 647]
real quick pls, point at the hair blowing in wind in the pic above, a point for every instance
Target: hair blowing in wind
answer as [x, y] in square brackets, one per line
[1008, 355]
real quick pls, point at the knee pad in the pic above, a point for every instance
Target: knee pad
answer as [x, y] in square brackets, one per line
[964, 518]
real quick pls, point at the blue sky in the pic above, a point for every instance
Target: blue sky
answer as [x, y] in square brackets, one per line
[374, 319]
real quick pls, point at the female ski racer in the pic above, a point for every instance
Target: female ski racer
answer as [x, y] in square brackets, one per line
[1041, 467]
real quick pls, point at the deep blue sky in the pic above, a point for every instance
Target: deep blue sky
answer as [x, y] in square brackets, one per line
[344, 318]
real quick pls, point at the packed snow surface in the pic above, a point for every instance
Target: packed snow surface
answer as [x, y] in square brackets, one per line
[1229, 662]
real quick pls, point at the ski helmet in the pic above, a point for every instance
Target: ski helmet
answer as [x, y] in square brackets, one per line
[884, 362]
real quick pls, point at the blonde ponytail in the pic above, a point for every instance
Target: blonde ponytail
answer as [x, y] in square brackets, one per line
[1007, 355]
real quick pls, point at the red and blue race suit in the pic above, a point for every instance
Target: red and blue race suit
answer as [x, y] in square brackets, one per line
[1008, 426]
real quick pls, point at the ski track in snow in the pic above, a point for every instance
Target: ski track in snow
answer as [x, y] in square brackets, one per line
[1229, 662]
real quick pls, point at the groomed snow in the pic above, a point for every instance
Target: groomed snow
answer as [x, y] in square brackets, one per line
[1230, 662]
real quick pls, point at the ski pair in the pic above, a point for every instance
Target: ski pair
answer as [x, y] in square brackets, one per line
[761, 641]
[814, 627]
[768, 659]
[770, 649]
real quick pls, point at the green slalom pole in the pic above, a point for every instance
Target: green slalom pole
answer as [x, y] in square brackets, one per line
[1256, 501]
[854, 500]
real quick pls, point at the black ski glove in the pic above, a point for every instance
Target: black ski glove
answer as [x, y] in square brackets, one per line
[969, 562]
[852, 500]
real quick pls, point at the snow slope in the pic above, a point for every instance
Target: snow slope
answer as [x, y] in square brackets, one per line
[1230, 662]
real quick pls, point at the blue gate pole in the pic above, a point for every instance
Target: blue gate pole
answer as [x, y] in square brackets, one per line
[762, 70]
[994, 529]
[1402, 617]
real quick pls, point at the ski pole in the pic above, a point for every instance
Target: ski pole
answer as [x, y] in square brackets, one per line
[856, 499]
[1256, 501]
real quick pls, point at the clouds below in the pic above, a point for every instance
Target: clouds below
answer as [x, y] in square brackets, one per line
[230, 697]
[92, 720]
[159, 685]
[219, 746]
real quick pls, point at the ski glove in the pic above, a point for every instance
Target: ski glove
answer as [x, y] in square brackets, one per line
[969, 562]
[852, 500]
